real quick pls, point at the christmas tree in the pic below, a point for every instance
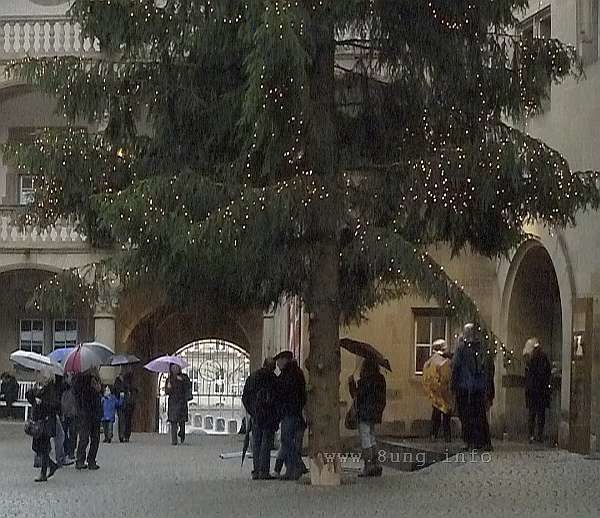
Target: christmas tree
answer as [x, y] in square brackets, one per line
[248, 150]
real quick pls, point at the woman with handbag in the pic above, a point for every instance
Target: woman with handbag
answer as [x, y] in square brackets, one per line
[369, 395]
[42, 425]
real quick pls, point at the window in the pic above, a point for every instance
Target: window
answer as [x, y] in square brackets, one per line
[430, 325]
[588, 30]
[65, 333]
[26, 190]
[31, 335]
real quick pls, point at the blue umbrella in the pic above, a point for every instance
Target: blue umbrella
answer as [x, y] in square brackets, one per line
[60, 355]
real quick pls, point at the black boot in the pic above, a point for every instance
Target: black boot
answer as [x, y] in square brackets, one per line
[44, 470]
[366, 454]
[278, 466]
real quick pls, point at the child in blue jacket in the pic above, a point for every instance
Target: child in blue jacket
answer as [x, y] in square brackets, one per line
[110, 404]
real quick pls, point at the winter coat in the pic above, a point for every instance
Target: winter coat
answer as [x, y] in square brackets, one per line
[259, 398]
[537, 380]
[68, 404]
[45, 411]
[124, 385]
[291, 391]
[110, 404]
[87, 394]
[473, 371]
[369, 395]
[9, 389]
[179, 390]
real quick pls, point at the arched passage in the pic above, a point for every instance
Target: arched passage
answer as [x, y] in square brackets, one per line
[534, 309]
[218, 370]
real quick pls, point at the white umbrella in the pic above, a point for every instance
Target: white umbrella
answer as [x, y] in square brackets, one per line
[36, 362]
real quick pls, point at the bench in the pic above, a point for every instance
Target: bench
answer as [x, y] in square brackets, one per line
[21, 402]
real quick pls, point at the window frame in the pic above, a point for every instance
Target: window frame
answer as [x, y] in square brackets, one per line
[22, 200]
[30, 347]
[66, 344]
[430, 313]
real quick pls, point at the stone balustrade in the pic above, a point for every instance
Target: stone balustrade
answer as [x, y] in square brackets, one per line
[61, 235]
[42, 36]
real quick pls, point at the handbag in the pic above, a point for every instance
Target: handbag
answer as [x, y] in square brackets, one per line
[351, 420]
[35, 429]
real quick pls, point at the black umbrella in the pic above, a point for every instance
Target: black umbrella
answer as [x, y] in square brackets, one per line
[123, 359]
[365, 350]
[246, 440]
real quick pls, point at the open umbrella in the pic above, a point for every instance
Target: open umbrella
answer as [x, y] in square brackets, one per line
[60, 355]
[163, 363]
[365, 350]
[87, 356]
[35, 361]
[123, 359]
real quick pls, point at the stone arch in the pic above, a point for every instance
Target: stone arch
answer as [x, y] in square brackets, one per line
[551, 246]
[164, 330]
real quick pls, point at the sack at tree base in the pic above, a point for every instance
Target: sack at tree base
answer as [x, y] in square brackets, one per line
[436, 382]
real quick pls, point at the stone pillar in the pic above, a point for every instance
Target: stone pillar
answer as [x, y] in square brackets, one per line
[104, 327]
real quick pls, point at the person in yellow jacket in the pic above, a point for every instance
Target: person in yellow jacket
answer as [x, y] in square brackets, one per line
[437, 373]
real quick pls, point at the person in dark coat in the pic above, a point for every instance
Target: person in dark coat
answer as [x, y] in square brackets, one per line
[473, 384]
[44, 410]
[69, 415]
[291, 399]
[125, 390]
[259, 399]
[537, 391]
[369, 395]
[179, 390]
[88, 393]
[9, 392]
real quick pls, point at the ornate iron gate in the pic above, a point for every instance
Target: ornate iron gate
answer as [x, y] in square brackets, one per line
[218, 371]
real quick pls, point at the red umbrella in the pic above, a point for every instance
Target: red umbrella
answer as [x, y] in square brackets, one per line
[365, 350]
[87, 356]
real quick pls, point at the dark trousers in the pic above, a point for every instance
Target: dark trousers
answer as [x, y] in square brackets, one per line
[175, 427]
[70, 429]
[262, 444]
[472, 410]
[89, 433]
[125, 418]
[539, 415]
[107, 427]
[440, 418]
[291, 453]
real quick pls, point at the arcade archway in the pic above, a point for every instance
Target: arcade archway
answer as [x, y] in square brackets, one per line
[218, 370]
[534, 310]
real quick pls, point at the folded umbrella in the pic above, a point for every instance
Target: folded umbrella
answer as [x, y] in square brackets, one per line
[123, 359]
[365, 350]
[35, 361]
[163, 363]
[60, 355]
[87, 356]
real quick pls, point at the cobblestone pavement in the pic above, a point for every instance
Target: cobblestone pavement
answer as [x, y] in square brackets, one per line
[150, 478]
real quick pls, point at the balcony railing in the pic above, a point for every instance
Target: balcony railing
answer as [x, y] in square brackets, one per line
[42, 36]
[61, 235]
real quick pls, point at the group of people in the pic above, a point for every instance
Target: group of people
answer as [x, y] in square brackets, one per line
[69, 411]
[471, 386]
[273, 401]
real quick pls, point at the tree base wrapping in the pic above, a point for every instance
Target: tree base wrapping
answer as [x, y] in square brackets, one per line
[325, 472]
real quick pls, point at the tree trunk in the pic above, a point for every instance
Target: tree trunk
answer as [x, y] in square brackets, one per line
[324, 369]
[322, 297]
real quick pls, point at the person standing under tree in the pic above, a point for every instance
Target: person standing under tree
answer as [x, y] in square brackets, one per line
[124, 390]
[9, 392]
[45, 406]
[259, 401]
[87, 388]
[370, 398]
[179, 390]
[436, 380]
[538, 373]
[473, 385]
[291, 399]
